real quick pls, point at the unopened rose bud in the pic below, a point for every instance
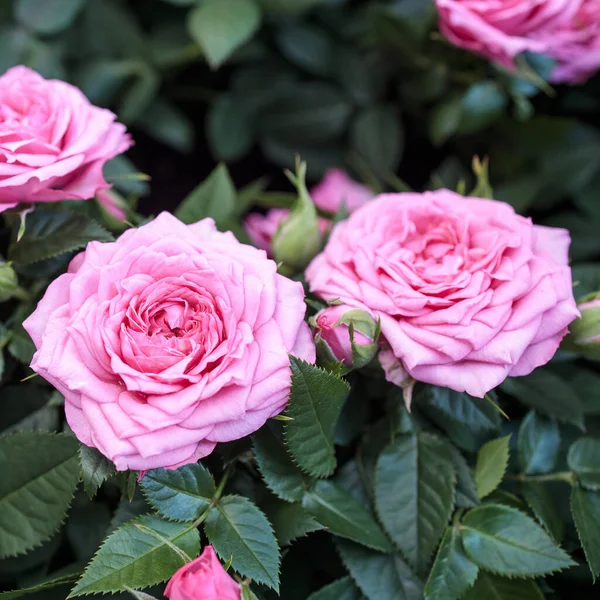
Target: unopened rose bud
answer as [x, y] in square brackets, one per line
[347, 335]
[585, 332]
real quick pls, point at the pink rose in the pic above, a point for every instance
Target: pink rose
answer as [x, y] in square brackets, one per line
[53, 142]
[169, 340]
[203, 579]
[332, 326]
[576, 45]
[501, 29]
[467, 291]
[335, 188]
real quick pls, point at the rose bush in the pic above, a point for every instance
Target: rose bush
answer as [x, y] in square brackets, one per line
[168, 341]
[53, 142]
[467, 291]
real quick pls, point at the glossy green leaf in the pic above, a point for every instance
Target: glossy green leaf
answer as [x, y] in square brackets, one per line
[316, 400]
[538, 443]
[379, 576]
[51, 232]
[584, 459]
[482, 105]
[281, 475]
[239, 531]
[504, 541]
[492, 461]
[139, 554]
[214, 197]
[585, 507]
[415, 483]
[221, 26]
[290, 521]
[182, 494]
[453, 572]
[334, 508]
[48, 17]
[491, 587]
[540, 500]
[466, 492]
[342, 589]
[95, 469]
[39, 476]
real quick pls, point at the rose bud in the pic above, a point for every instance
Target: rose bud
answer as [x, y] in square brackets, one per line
[585, 332]
[347, 335]
[203, 579]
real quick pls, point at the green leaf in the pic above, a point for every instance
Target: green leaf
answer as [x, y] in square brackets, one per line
[221, 26]
[45, 585]
[548, 394]
[336, 509]
[182, 494]
[239, 530]
[490, 587]
[379, 576]
[138, 554]
[538, 444]
[453, 572]
[584, 459]
[466, 492]
[95, 469]
[585, 507]
[214, 197]
[492, 461]
[444, 120]
[229, 128]
[306, 46]
[48, 17]
[342, 589]
[316, 400]
[290, 521]
[281, 475]
[540, 500]
[377, 135]
[467, 421]
[168, 124]
[51, 232]
[415, 483]
[39, 476]
[504, 541]
[483, 103]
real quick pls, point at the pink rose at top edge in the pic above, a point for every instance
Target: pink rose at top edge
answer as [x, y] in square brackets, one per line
[54, 142]
[502, 29]
[335, 188]
[203, 579]
[168, 341]
[467, 291]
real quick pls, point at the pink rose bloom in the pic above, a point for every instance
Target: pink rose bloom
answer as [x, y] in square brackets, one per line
[169, 340]
[468, 292]
[501, 29]
[203, 579]
[53, 142]
[576, 45]
[337, 334]
[328, 195]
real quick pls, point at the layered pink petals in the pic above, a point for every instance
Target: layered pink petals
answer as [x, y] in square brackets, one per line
[169, 340]
[53, 142]
[203, 579]
[467, 291]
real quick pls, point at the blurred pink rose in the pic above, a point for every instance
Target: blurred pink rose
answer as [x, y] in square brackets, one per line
[576, 45]
[335, 188]
[53, 142]
[337, 334]
[501, 29]
[467, 291]
[169, 340]
[203, 579]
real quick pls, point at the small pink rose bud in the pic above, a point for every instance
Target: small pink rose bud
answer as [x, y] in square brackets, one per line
[203, 579]
[347, 335]
[585, 332]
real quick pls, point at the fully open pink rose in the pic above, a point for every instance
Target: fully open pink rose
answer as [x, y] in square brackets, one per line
[169, 340]
[501, 29]
[203, 579]
[335, 188]
[467, 291]
[53, 142]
